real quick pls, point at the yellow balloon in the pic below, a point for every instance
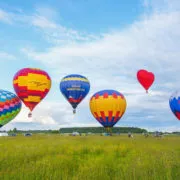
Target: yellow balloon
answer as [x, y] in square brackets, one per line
[108, 106]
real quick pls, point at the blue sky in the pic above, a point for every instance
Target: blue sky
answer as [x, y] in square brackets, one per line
[103, 40]
[84, 15]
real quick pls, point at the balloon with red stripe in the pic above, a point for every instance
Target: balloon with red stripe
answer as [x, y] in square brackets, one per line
[74, 88]
[31, 86]
[108, 107]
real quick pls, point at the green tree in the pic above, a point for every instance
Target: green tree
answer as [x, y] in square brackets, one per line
[14, 130]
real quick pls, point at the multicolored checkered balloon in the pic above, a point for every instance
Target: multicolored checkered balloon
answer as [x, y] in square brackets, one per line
[10, 106]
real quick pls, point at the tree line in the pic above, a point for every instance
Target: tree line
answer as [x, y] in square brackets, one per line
[86, 130]
[102, 130]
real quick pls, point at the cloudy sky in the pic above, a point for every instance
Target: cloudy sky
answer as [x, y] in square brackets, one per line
[108, 42]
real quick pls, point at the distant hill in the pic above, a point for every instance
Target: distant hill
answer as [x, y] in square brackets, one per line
[101, 130]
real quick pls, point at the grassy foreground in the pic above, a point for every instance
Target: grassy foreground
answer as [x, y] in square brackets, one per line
[44, 157]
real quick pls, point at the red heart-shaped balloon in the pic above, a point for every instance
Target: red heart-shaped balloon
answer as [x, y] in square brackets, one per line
[145, 78]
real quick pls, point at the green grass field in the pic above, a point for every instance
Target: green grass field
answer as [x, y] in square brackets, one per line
[90, 157]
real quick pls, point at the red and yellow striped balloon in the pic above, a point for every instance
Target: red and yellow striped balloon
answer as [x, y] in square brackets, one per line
[108, 106]
[31, 86]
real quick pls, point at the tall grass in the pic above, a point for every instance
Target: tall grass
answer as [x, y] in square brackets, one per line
[44, 157]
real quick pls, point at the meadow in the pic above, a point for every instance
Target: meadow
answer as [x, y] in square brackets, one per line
[58, 157]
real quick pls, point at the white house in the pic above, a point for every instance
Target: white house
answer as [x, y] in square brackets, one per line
[75, 134]
[3, 134]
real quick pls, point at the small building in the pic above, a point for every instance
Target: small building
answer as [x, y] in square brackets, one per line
[158, 134]
[106, 134]
[75, 134]
[3, 134]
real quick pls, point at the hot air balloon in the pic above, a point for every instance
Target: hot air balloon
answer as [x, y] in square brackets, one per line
[145, 78]
[174, 103]
[74, 87]
[108, 106]
[10, 106]
[31, 86]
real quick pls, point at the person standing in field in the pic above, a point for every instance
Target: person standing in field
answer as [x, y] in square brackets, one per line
[130, 135]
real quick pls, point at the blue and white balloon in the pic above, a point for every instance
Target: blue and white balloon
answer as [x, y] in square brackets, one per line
[174, 103]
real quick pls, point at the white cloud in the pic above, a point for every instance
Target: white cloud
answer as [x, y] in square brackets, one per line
[46, 114]
[44, 19]
[6, 56]
[42, 22]
[148, 43]
[5, 17]
[47, 12]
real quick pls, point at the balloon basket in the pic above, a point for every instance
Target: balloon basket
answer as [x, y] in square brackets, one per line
[108, 131]
[74, 111]
[30, 115]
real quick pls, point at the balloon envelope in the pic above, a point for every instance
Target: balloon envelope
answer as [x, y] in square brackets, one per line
[10, 106]
[74, 87]
[108, 106]
[145, 78]
[174, 103]
[31, 86]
